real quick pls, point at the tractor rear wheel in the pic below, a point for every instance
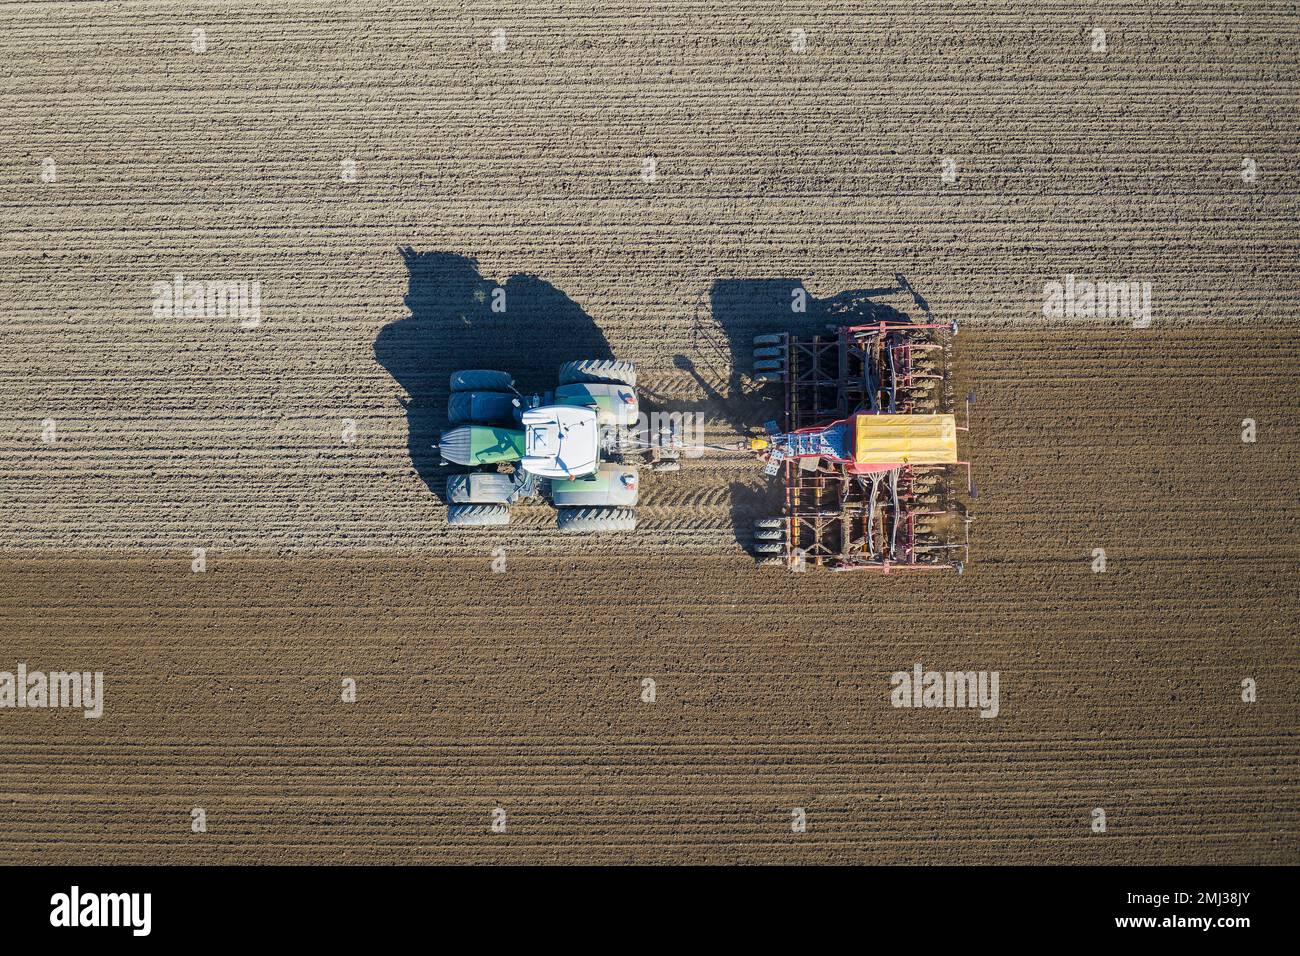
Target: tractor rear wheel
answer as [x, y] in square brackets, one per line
[480, 488]
[481, 380]
[598, 372]
[774, 338]
[768, 534]
[578, 520]
[769, 523]
[477, 515]
[769, 547]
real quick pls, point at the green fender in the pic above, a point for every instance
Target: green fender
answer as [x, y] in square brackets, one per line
[611, 486]
[615, 404]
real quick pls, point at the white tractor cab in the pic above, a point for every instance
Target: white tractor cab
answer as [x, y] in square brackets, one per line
[574, 446]
[561, 441]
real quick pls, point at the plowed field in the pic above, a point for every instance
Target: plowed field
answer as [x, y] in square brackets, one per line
[650, 183]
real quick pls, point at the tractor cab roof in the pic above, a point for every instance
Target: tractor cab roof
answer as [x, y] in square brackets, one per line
[561, 441]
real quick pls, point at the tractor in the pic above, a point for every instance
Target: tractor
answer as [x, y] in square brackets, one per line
[576, 446]
[865, 444]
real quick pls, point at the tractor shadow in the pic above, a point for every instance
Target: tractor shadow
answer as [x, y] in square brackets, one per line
[721, 359]
[461, 320]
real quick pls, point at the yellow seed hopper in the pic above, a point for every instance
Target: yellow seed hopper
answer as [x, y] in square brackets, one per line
[905, 439]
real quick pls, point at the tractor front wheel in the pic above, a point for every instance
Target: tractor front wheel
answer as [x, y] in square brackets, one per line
[481, 380]
[480, 488]
[479, 516]
[480, 408]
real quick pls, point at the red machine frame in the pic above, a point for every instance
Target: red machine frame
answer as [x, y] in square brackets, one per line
[834, 515]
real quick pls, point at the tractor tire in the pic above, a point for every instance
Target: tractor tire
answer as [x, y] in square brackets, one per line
[769, 534]
[768, 523]
[770, 352]
[480, 488]
[579, 520]
[769, 376]
[774, 338]
[493, 408]
[769, 547]
[768, 365]
[481, 380]
[598, 372]
[661, 466]
[467, 516]
[771, 561]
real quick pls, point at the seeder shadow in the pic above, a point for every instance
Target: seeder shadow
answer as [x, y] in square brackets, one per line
[461, 320]
[723, 344]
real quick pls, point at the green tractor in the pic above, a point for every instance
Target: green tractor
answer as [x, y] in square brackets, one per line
[575, 446]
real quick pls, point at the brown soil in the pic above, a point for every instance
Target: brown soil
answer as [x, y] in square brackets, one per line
[522, 690]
